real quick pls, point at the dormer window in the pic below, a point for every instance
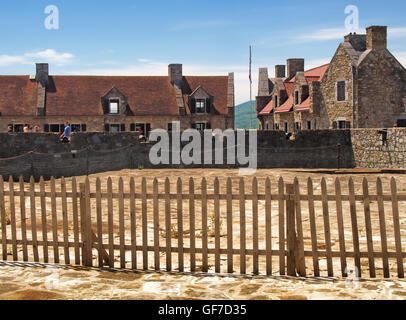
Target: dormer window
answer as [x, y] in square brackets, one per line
[113, 106]
[200, 106]
[296, 97]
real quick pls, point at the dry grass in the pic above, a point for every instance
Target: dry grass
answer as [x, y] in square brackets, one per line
[8, 217]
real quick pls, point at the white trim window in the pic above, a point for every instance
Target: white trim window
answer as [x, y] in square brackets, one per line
[113, 106]
[200, 106]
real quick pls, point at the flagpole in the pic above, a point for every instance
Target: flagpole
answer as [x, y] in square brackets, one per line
[250, 87]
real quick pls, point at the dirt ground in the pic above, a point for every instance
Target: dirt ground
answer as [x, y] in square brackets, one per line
[21, 281]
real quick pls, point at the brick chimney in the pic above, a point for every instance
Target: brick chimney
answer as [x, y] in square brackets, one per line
[280, 71]
[263, 82]
[42, 73]
[175, 74]
[294, 66]
[377, 37]
[42, 78]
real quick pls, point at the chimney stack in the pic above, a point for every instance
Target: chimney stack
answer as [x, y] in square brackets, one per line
[377, 37]
[175, 74]
[294, 66]
[358, 41]
[42, 73]
[280, 71]
[263, 82]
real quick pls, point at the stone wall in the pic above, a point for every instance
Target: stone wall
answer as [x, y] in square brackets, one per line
[370, 151]
[88, 153]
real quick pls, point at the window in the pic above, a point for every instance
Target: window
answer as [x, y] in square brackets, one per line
[341, 124]
[84, 128]
[169, 127]
[314, 126]
[308, 125]
[18, 128]
[75, 127]
[297, 126]
[341, 92]
[113, 106]
[296, 97]
[276, 126]
[276, 102]
[114, 128]
[55, 128]
[132, 127]
[200, 106]
[286, 127]
[200, 126]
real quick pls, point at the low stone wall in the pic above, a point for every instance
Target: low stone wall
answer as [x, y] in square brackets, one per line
[44, 155]
[371, 150]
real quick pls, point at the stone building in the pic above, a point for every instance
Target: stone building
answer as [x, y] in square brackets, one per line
[116, 104]
[363, 86]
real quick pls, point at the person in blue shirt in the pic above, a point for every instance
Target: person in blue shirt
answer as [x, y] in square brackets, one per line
[65, 136]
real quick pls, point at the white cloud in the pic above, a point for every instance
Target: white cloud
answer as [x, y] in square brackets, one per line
[401, 56]
[339, 33]
[48, 55]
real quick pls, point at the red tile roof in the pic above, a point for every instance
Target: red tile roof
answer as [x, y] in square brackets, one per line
[304, 106]
[81, 95]
[268, 109]
[315, 74]
[286, 107]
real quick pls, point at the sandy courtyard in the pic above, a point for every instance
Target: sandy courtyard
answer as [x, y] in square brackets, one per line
[33, 281]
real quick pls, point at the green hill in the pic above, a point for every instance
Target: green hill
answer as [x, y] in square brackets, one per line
[242, 116]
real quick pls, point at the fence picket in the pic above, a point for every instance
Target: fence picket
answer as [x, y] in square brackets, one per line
[75, 221]
[179, 208]
[243, 239]
[133, 225]
[168, 225]
[65, 222]
[230, 255]
[354, 224]
[382, 225]
[44, 220]
[99, 222]
[291, 231]
[313, 228]
[110, 221]
[205, 255]
[299, 228]
[54, 222]
[368, 227]
[217, 225]
[156, 225]
[340, 224]
[268, 226]
[121, 221]
[281, 202]
[3, 221]
[23, 220]
[192, 222]
[13, 219]
[255, 237]
[327, 234]
[396, 226]
[33, 220]
[144, 224]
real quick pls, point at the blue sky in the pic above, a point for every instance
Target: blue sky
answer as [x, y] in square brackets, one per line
[130, 37]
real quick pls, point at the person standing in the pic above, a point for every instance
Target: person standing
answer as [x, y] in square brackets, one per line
[65, 136]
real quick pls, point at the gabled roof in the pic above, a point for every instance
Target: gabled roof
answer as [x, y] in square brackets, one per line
[286, 107]
[304, 106]
[80, 95]
[268, 108]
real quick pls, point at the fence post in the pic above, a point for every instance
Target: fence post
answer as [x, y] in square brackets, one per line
[291, 232]
[85, 226]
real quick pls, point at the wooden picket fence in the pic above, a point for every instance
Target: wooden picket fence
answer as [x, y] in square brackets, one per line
[221, 228]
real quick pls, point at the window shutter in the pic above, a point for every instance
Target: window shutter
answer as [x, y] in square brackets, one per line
[348, 125]
[122, 127]
[84, 128]
[132, 127]
[107, 127]
[193, 125]
[208, 105]
[46, 128]
[192, 105]
[335, 125]
[208, 125]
